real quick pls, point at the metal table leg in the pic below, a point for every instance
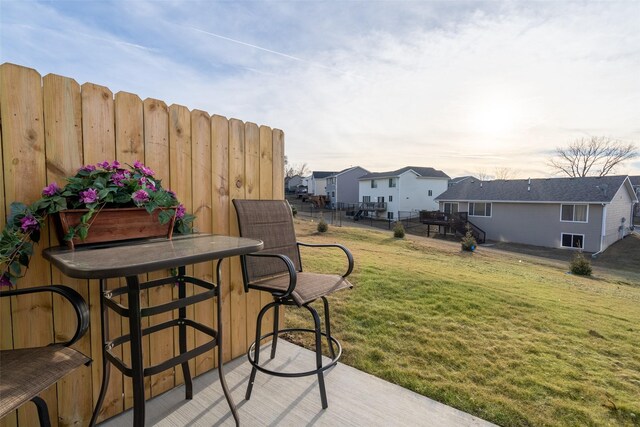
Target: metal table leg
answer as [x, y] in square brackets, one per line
[104, 331]
[137, 367]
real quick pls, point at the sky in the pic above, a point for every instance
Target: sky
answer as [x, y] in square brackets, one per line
[464, 87]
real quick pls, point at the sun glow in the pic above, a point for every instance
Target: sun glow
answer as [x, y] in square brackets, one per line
[494, 117]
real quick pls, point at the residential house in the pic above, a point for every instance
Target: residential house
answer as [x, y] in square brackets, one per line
[459, 179]
[587, 213]
[342, 187]
[318, 182]
[635, 181]
[398, 193]
[292, 183]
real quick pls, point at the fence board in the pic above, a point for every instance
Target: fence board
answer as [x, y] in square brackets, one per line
[51, 127]
[156, 148]
[99, 145]
[25, 176]
[63, 132]
[203, 209]
[220, 199]
[252, 177]
[180, 181]
[266, 192]
[129, 125]
[6, 338]
[237, 188]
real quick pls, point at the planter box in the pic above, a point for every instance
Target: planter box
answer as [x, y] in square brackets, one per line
[110, 225]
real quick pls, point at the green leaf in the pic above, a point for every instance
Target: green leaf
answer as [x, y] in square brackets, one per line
[165, 216]
[83, 232]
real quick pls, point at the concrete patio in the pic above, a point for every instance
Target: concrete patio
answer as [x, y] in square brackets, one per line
[355, 399]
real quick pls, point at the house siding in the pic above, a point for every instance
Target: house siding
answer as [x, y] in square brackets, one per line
[347, 186]
[619, 208]
[536, 224]
[318, 186]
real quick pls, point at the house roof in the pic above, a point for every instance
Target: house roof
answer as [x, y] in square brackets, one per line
[587, 189]
[347, 170]
[459, 179]
[321, 174]
[420, 171]
[635, 180]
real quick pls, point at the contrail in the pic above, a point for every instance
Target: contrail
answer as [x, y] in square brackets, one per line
[284, 55]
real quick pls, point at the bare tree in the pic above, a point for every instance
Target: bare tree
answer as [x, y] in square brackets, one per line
[293, 169]
[504, 173]
[595, 156]
[483, 175]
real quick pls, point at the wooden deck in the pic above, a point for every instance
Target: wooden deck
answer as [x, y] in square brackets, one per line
[355, 399]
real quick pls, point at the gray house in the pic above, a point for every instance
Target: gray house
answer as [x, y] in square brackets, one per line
[588, 213]
[635, 181]
[342, 187]
[318, 182]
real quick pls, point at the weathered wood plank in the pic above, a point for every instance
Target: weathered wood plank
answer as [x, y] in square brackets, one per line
[129, 148]
[180, 144]
[63, 141]
[25, 176]
[156, 148]
[266, 192]
[237, 190]
[98, 135]
[203, 209]
[278, 177]
[222, 202]
[252, 178]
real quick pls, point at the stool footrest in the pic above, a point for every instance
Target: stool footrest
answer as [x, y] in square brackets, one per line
[332, 363]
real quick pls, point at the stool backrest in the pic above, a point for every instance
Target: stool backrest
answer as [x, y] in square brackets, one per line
[272, 222]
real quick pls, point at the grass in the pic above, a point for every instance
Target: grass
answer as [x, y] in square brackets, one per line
[510, 338]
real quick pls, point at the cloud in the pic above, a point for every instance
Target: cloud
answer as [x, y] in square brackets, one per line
[453, 85]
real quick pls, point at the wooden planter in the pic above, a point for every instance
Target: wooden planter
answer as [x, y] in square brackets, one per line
[110, 225]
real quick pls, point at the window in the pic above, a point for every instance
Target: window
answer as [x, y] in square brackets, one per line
[374, 184]
[366, 199]
[430, 193]
[392, 182]
[389, 215]
[450, 208]
[333, 194]
[480, 209]
[380, 199]
[573, 240]
[391, 198]
[574, 213]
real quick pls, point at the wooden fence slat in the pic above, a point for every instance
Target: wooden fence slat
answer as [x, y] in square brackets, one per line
[237, 188]
[63, 131]
[203, 209]
[278, 176]
[266, 192]
[180, 180]
[99, 145]
[252, 178]
[156, 150]
[221, 199]
[25, 176]
[129, 127]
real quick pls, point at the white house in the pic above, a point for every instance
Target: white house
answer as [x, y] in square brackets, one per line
[318, 182]
[398, 193]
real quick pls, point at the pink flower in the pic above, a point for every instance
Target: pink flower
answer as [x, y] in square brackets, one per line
[4, 281]
[89, 196]
[104, 165]
[118, 177]
[29, 223]
[50, 190]
[180, 211]
[138, 165]
[147, 171]
[115, 164]
[140, 197]
[88, 168]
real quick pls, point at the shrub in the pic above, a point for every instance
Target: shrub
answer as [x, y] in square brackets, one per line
[468, 241]
[322, 225]
[398, 231]
[580, 265]
[294, 211]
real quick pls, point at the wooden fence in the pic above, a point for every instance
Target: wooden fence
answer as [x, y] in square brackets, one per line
[49, 128]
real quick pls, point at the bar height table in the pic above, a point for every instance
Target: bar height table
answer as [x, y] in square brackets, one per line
[139, 257]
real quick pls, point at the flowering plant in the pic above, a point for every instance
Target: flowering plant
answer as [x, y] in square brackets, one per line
[94, 187]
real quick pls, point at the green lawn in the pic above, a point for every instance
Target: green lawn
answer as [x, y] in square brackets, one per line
[509, 338]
